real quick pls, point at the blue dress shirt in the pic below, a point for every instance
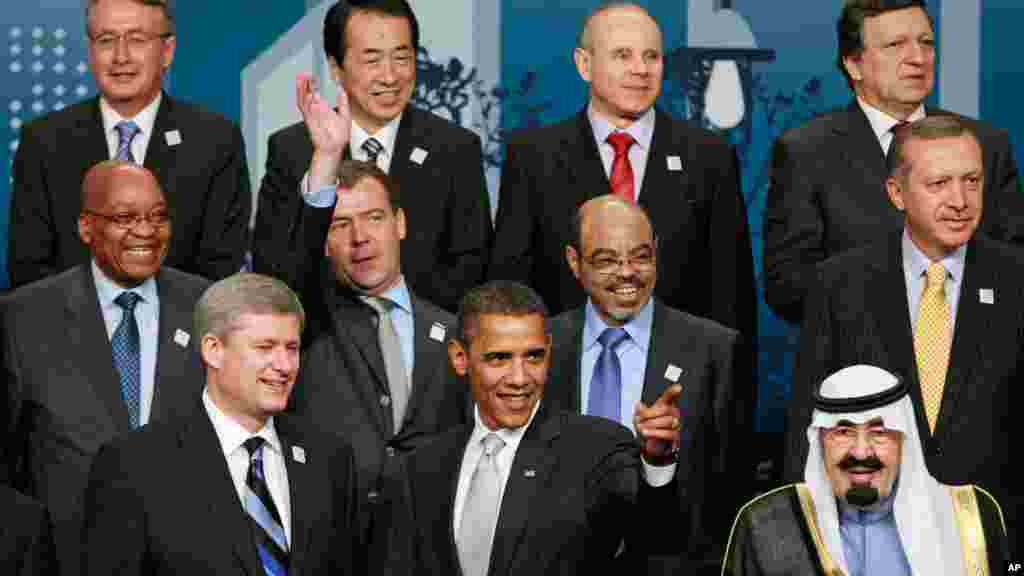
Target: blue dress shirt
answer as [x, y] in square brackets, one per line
[871, 542]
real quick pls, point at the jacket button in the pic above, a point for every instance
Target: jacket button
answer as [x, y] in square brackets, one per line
[385, 400]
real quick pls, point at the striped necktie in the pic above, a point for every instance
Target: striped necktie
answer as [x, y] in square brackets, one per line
[126, 132]
[271, 542]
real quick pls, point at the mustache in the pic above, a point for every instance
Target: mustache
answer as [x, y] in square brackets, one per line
[871, 463]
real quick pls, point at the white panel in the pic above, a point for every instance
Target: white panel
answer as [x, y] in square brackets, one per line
[960, 62]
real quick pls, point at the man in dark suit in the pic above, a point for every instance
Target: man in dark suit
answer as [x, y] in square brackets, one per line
[99, 349]
[234, 488]
[375, 370]
[371, 50]
[938, 305]
[827, 191]
[651, 346]
[197, 156]
[528, 488]
[26, 538]
[686, 178]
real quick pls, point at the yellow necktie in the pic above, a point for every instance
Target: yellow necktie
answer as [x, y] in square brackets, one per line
[932, 341]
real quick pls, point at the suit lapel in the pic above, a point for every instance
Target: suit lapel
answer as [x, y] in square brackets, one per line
[662, 352]
[88, 336]
[171, 394]
[453, 466]
[303, 496]
[159, 156]
[406, 138]
[860, 147]
[586, 169]
[91, 131]
[531, 471]
[425, 363]
[662, 189]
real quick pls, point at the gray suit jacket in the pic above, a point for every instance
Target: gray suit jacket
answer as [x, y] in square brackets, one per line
[715, 470]
[63, 391]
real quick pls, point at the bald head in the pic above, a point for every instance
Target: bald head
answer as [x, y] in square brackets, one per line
[104, 177]
[596, 19]
[614, 257]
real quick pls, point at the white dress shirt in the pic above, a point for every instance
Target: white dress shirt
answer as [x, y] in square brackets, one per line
[144, 120]
[642, 132]
[232, 438]
[147, 317]
[882, 123]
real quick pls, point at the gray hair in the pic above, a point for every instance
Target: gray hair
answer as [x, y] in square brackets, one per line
[221, 305]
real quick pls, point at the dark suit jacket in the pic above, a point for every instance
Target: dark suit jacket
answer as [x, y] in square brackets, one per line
[715, 473]
[204, 179]
[698, 212]
[857, 313]
[574, 492]
[828, 195]
[342, 386]
[161, 501]
[26, 539]
[444, 199]
[64, 394]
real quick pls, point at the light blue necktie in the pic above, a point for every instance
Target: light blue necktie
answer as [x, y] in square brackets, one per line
[606, 384]
[125, 345]
[126, 132]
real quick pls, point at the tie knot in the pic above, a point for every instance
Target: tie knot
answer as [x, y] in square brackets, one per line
[612, 337]
[492, 444]
[126, 130]
[936, 276]
[620, 141]
[127, 300]
[380, 304]
[253, 445]
[373, 148]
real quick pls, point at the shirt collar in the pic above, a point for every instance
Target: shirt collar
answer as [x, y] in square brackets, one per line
[642, 130]
[511, 436]
[638, 327]
[144, 119]
[231, 434]
[107, 290]
[399, 295]
[918, 262]
[882, 123]
[386, 135]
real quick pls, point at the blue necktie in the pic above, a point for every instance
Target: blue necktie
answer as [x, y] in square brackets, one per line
[606, 385]
[125, 345]
[373, 148]
[271, 543]
[126, 132]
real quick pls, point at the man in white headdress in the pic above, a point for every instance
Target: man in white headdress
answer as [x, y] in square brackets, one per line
[868, 504]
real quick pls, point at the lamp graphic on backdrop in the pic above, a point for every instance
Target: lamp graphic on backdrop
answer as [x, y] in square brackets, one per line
[713, 24]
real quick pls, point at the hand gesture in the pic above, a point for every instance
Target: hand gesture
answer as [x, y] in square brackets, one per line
[658, 425]
[329, 129]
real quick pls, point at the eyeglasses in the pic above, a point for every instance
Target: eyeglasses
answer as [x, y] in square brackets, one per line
[846, 436]
[126, 221]
[136, 40]
[608, 265]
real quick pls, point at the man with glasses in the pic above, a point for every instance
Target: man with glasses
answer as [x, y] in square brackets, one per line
[196, 155]
[868, 504]
[97, 350]
[625, 346]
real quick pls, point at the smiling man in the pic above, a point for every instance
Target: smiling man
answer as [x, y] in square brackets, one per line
[527, 488]
[939, 303]
[235, 486]
[99, 349]
[197, 156]
[371, 48]
[868, 504]
[827, 190]
[625, 346]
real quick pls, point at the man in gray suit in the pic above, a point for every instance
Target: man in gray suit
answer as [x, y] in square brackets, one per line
[99, 349]
[624, 346]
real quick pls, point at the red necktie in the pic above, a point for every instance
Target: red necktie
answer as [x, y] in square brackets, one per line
[622, 171]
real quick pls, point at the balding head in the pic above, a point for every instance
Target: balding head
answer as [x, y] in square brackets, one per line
[614, 256]
[124, 221]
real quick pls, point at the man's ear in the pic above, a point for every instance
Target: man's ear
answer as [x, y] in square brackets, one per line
[458, 356]
[852, 66]
[212, 351]
[572, 257]
[582, 59]
[895, 191]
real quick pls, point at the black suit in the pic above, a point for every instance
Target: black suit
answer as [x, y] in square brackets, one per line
[574, 492]
[698, 213]
[715, 472]
[63, 393]
[204, 179]
[828, 195]
[342, 386]
[444, 198]
[857, 313]
[26, 539]
[161, 501]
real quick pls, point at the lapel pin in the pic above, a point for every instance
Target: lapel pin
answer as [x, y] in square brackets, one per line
[987, 296]
[529, 473]
[418, 155]
[674, 164]
[437, 332]
[673, 372]
[298, 454]
[173, 137]
[181, 337]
